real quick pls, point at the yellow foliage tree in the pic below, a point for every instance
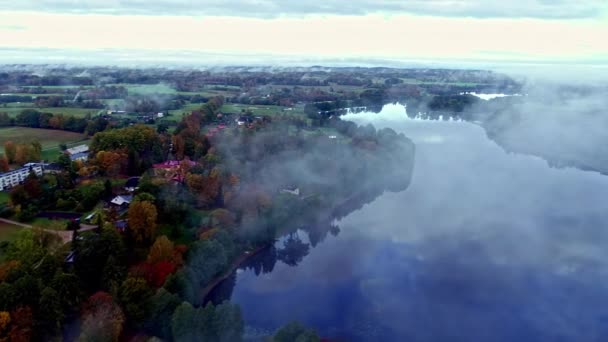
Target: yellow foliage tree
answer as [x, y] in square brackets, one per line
[5, 320]
[142, 220]
[161, 250]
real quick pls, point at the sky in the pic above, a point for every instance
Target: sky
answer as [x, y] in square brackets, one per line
[522, 31]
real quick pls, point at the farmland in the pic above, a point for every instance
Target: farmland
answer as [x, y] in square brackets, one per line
[259, 109]
[48, 138]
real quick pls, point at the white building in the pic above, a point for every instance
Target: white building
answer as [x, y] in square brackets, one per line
[77, 149]
[80, 152]
[121, 200]
[12, 178]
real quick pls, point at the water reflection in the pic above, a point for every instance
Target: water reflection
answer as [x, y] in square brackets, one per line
[484, 245]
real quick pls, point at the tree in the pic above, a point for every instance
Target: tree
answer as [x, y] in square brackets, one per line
[51, 311]
[295, 332]
[10, 149]
[227, 322]
[21, 327]
[102, 319]
[223, 323]
[93, 252]
[133, 295]
[5, 320]
[161, 250]
[183, 322]
[4, 165]
[142, 220]
[107, 189]
[162, 306]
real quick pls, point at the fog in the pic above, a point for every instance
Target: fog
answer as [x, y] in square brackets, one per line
[483, 245]
[562, 122]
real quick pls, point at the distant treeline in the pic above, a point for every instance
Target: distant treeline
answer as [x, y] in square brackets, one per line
[35, 119]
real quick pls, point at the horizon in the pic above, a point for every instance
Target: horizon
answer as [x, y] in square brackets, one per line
[384, 33]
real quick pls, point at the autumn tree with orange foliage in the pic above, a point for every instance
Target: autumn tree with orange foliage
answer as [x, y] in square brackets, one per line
[111, 163]
[142, 220]
[4, 165]
[21, 325]
[10, 149]
[206, 188]
[5, 320]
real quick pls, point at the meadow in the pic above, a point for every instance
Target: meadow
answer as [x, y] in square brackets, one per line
[48, 138]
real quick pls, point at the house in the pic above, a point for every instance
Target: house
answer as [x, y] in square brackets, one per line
[12, 178]
[77, 149]
[132, 184]
[82, 156]
[160, 115]
[110, 112]
[89, 217]
[122, 200]
[52, 168]
[80, 152]
[243, 119]
[121, 225]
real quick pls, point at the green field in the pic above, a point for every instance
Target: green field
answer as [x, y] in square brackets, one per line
[8, 231]
[61, 87]
[259, 110]
[176, 114]
[48, 138]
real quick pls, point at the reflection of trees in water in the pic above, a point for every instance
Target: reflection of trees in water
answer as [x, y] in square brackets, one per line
[318, 232]
[263, 262]
[222, 292]
[294, 250]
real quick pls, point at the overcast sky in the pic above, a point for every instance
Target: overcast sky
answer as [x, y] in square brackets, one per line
[572, 31]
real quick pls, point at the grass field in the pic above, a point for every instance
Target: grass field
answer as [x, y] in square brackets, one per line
[176, 114]
[48, 138]
[259, 110]
[61, 87]
[8, 231]
[4, 197]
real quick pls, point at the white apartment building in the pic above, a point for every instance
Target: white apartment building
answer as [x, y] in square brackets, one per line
[12, 178]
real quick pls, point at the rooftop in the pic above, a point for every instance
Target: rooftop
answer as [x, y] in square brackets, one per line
[77, 149]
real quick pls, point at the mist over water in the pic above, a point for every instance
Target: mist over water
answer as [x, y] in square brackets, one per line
[484, 245]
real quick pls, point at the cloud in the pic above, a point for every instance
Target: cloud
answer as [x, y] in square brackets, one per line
[551, 9]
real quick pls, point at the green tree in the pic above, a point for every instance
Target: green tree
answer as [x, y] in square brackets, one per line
[134, 294]
[182, 322]
[51, 312]
[295, 332]
[162, 307]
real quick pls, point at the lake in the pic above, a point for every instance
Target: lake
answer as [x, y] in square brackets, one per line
[484, 245]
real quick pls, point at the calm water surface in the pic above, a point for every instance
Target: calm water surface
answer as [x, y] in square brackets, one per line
[482, 246]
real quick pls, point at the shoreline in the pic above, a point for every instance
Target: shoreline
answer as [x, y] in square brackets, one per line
[235, 265]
